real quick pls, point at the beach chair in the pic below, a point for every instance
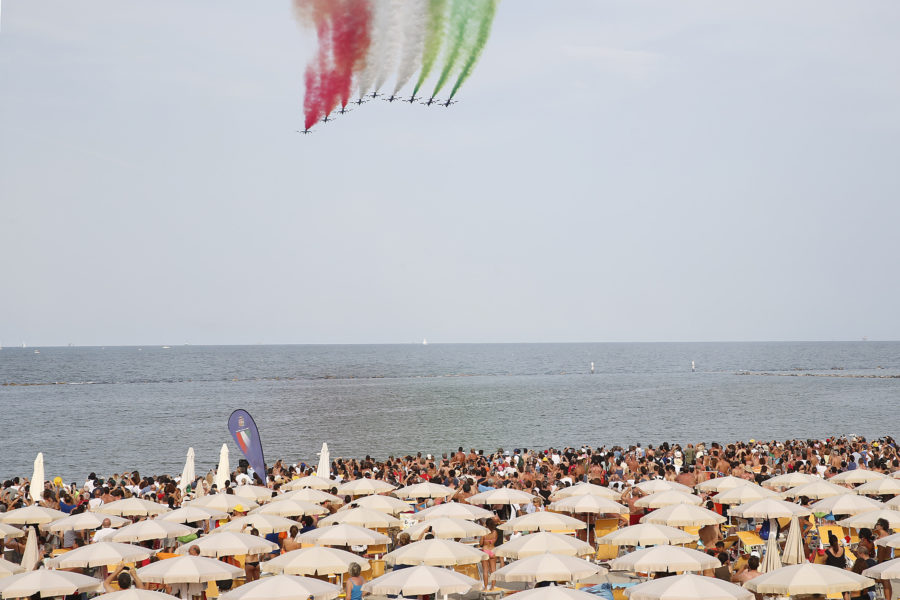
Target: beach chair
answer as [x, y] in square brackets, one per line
[376, 568]
[694, 530]
[601, 528]
[472, 570]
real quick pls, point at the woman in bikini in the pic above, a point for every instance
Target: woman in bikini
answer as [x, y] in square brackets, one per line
[488, 541]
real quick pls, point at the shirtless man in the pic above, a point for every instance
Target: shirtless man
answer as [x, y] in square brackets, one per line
[748, 572]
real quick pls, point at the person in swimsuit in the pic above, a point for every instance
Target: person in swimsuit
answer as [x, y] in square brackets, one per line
[488, 541]
[353, 584]
[251, 563]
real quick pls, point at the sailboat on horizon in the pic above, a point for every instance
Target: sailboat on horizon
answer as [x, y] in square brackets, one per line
[424, 342]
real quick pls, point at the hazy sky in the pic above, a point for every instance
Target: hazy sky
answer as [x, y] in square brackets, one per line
[614, 171]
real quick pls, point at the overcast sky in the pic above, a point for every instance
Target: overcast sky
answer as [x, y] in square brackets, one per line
[632, 170]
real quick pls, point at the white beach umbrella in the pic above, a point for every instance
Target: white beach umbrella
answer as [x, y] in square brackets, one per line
[290, 508]
[547, 567]
[30, 555]
[386, 504]
[31, 515]
[790, 480]
[8, 532]
[769, 508]
[585, 489]
[435, 552]
[891, 541]
[264, 524]
[886, 486]
[721, 484]
[364, 487]
[424, 490]
[446, 528]
[192, 514]
[869, 518]
[541, 543]
[772, 559]
[284, 587]
[816, 491]
[136, 594]
[846, 504]
[893, 503]
[661, 485]
[188, 569]
[310, 481]
[187, 473]
[808, 578]
[47, 583]
[687, 587]
[667, 498]
[154, 529]
[343, 535]
[501, 496]
[314, 561]
[36, 488]
[793, 545]
[229, 543]
[132, 507]
[454, 510]
[324, 469]
[311, 495]
[8, 568]
[100, 554]
[683, 515]
[223, 473]
[257, 493]
[665, 559]
[223, 502]
[744, 494]
[887, 570]
[647, 534]
[421, 580]
[554, 592]
[85, 521]
[896, 474]
[543, 520]
[857, 476]
[362, 517]
[594, 505]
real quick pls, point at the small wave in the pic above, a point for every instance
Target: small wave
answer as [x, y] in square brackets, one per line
[819, 374]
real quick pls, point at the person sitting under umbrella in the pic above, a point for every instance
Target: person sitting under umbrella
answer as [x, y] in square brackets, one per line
[125, 577]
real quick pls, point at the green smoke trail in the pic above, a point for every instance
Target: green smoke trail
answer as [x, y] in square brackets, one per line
[460, 24]
[434, 39]
[485, 19]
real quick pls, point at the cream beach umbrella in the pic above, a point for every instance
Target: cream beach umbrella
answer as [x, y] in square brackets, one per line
[869, 518]
[857, 476]
[435, 552]
[547, 567]
[893, 503]
[31, 515]
[647, 534]
[585, 489]
[365, 487]
[187, 473]
[47, 583]
[386, 504]
[454, 510]
[721, 484]
[896, 474]
[816, 491]
[188, 569]
[664, 559]
[541, 543]
[229, 543]
[887, 570]
[362, 517]
[30, 555]
[446, 528]
[310, 481]
[223, 502]
[314, 561]
[8, 568]
[594, 505]
[309, 495]
[543, 520]
[881, 487]
[554, 592]
[808, 578]
[99, 554]
[421, 580]
[192, 514]
[153, 529]
[770, 508]
[687, 587]
[324, 468]
[424, 490]
[790, 480]
[846, 504]
[772, 558]
[290, 508]
[264, 524]
[8, 532]
[132, 507]
[501, 496]
[223, 473]
[744, 494]
[667, 498]
[36, 488]
[85, 521]
[891, 541]
[661, 485]
[136, 594]
[343, 535]
[793, 545]
[257, 493]
[284, 587]
[683, 515]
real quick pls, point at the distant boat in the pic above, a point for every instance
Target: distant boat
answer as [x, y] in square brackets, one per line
[166, 347]
[424, 342]
[23, 344]
[37, 351]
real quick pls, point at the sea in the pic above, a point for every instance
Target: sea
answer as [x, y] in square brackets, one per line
[111, 409]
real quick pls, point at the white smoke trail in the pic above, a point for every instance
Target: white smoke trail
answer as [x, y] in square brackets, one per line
[388, 61]
[378, 40]
[413, 18]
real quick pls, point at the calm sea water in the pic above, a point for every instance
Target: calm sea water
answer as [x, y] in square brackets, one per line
[112, 409]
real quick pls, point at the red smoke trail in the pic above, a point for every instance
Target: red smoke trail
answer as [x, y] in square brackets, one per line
[316, 71]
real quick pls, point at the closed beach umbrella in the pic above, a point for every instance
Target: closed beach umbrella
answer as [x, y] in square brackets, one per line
[264, 524]
[386, 504]
[683, 515]
[362, 517]
[136, 594]
[420, 581]
[435, 552]
[543, 520]
[793, 545]
[885, 486]
[770, 508]
[84, 522]
[664, 559]
[721, 484]
[541, 543]
[845, 504]
[446, 528]
[229, 543]
[365, 487]
[886, 570]
[188, 569]
[310, 481]
[223, 473]
[47, 583]
[8, 568]
[317, 560]
[857, 476]
[324, 469]
[744, 494]
[790, 480]
[808, 578]
[661, 485]
[257, 493]
[30, 555]
[772, 559]
[647, 534]
[284, 587]
[151, 530]
[290, 508]
[187, 473]
[31, 515]
[869, 518]
[8, 532]
[223, 502]
[666, 498]
[310, 495]
[816, 491]
[891, 541]
[594, 505]
[343, 535]
[454, 510]
[36, 489]
[547, 567]
[687, 587]
[100, 554]
[501, 496]
[132, 507]
[554, 592]
[585, 489]
[424, 490]
[192, 514]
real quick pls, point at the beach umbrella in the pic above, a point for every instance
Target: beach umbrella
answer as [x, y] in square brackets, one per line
[585, 489]
[446, 528]
[880, 487]
[887, 570]
[454, 510]
[542, 520]
[554, 592]
[816, 491]
[896, 474]
[424, 490]
[772, 559]
[793, 545]
[223, 473]
[808, 578]
[132, 507]
[317, 560]
[30, 555]
[893, 503]
[187, 473]
[100, 554]
[229, 543]
[47, 583]
[547, 567]
[8, 532]
[743, 494]
[8, 568]
[666, 498]
[661, 485]
[790, 480]
[31, 515]
[541, 543]
[683, 515]
[256, 493]
[664, 559]
[343, 535]
[223, 502]
[310, 481]
[435, 552]
[721, 484]
[891, 541]
[192, 514]
[290, 508]
[364, 487]
[501, 496]
[151, 530]
[362, 517]
[310, 495]
[869, 518]
[769, 508]
[284, 587]
[84, 522]
[845, 504]
[324, 469]
[136, 594]
[647, 534]
[421, 580]
[36, 488]
[188, 569]
[857, 476]
[687, 586]
[386, 504]
[264, 524]
[594, 505]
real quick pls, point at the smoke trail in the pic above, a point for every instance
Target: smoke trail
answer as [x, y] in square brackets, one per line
[316, 14]
[487, 10]
[351, 36]
[380, 38]
[413, 21]
[391, 49]
[460, 23]
[434, 39]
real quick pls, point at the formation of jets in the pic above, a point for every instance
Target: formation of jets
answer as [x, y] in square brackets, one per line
[374, 96]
